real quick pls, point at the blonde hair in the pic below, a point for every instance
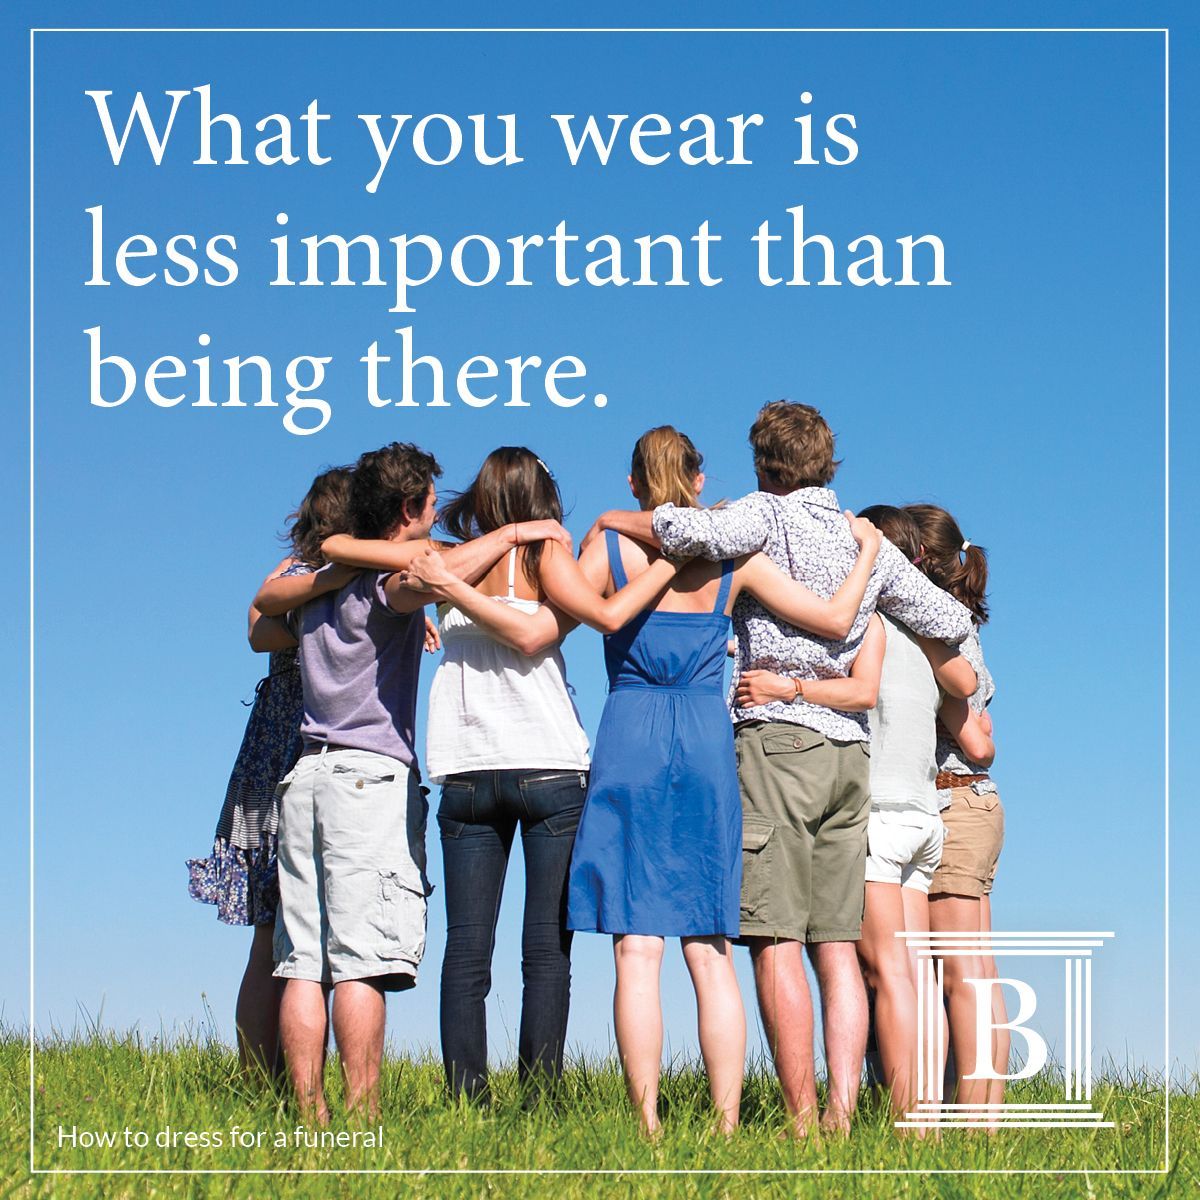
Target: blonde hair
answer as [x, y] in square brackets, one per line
[665, 465]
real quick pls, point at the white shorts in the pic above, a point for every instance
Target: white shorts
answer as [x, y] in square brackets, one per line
[352, 881]
[904, 846]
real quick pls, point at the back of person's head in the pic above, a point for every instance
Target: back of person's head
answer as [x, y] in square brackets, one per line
[953, 563]
[898, 527]
[665, 467]
[512, 485]
[324, 511]
[390, 487]
[793, 447]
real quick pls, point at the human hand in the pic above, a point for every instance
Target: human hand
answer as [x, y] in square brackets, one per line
[761, 687]
[864, 533]
[597, 530]
[985, 720]
[433, 636]
[428, 572]
[544, 531]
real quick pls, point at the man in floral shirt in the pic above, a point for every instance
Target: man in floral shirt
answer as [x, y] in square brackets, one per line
[803, 768]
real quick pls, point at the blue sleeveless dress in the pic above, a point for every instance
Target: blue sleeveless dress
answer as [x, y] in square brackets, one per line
[659, 847]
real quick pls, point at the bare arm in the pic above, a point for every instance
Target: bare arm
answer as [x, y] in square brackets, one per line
[565, 585]
[956, 677]
[636, 525]
[269, 633]
[281, 593]
[855, 693]
[971, 731]
[527, 633]
[569, 588]
[832, 618]
[468, 560]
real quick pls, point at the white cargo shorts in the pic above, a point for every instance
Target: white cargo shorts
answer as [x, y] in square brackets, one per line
[352, 882]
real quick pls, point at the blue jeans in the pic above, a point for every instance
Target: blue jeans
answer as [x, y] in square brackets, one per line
[479, 815]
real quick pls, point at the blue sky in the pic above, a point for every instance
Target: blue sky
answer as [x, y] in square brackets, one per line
[1027, 398]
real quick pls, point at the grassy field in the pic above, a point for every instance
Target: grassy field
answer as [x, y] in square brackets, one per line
[106, 1085]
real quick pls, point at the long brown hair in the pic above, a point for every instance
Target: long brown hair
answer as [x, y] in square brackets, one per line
[899, 527]
[664, 467]
[513, 485]
[963, 572]
[324, 511]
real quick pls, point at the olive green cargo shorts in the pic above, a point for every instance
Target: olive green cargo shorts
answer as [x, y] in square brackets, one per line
[805, 803]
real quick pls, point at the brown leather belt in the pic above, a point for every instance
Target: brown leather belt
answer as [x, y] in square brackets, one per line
[948, 779]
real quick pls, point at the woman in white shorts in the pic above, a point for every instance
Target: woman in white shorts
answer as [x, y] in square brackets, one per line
[904, 831]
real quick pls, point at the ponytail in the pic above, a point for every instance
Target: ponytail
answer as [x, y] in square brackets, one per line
[664, 467]
[951, 561]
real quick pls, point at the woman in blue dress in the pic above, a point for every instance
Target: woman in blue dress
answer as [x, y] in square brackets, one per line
[659, 848]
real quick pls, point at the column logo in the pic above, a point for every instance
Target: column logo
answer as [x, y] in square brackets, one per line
[1075, 950]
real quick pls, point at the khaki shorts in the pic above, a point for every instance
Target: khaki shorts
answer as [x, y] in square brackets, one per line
[974, 837]
[352, 882]
[805, 803]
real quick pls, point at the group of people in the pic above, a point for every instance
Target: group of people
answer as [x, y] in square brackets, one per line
[836, 795]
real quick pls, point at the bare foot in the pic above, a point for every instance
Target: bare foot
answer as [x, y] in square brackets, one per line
[835, 1122]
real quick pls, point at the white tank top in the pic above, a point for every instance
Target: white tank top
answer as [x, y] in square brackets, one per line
[903, 726]
[493, 708]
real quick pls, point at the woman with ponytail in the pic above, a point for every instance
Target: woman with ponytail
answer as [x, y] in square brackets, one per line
[960, 896]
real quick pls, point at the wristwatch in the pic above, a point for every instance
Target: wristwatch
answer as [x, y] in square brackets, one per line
[798, 684]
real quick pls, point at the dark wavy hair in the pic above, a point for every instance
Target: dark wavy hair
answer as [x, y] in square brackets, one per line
[898, 527]
[324, 511]
[389, 486]
[962, 573]
[513, 485]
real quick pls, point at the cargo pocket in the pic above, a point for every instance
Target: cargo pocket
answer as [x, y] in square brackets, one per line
[793, 740]
[401, 917]
[757, 853]
[985, 803]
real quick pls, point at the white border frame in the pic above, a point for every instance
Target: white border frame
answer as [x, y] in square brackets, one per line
[1165, 31]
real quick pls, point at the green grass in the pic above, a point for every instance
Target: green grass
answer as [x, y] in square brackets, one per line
[107, 1083]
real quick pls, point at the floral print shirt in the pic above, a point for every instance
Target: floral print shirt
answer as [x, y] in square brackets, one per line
[805, 534]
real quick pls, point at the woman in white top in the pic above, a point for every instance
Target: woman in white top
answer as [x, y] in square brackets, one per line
[505, 742]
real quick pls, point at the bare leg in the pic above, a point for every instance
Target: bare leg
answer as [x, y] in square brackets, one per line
[1000, 1037]
[637, 1015]
[359, 1013]
[960, 914]
[844, 1016]
[888, 971]
[787, 1015]
[721, 1020]
[257, 1013]
[303, 1025]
